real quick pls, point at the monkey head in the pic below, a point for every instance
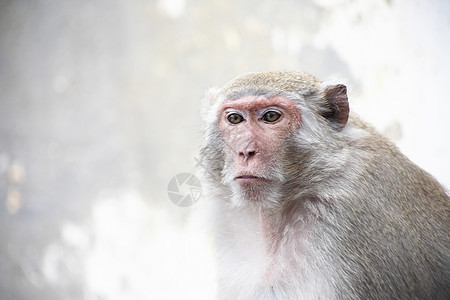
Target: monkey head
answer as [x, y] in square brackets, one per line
[307, 203]
[254, 122]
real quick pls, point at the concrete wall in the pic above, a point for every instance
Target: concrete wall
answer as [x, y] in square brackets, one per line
[100, 108]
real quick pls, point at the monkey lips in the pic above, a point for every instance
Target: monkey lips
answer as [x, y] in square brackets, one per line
[249, 179]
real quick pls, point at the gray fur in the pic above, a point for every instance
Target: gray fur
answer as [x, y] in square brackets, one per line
[354, 218]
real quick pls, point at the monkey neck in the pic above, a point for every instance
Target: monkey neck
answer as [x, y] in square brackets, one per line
[279, 224]
[283, 226]
[271, 236]
[280, 232]
[270, 228]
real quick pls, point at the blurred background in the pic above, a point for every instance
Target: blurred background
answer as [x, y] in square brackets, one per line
[100, 108]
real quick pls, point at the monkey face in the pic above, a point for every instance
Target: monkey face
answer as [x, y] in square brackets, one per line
[253, 130]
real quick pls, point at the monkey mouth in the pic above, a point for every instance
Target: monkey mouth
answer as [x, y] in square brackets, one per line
[249, 178]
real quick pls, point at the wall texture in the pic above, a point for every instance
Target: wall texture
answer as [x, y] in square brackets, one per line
[100, 108]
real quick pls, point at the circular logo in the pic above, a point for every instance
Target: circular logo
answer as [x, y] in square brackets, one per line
[184, 189]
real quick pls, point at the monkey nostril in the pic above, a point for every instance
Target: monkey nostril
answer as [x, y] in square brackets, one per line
[247, 153]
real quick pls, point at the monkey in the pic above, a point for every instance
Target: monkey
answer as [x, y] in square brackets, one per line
[306, 201]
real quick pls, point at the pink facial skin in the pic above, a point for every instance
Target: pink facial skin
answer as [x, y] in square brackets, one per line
[256, 139]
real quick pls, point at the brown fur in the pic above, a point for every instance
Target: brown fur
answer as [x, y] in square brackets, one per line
[354, 218]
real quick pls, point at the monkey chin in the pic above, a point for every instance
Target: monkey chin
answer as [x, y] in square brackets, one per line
[251, 190]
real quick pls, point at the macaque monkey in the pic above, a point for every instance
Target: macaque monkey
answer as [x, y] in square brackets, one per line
[306, 201]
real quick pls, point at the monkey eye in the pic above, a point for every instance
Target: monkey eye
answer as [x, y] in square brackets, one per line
[271, 116]
[235, 118]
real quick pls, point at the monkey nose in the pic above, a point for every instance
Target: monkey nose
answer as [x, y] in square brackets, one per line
[248, 152]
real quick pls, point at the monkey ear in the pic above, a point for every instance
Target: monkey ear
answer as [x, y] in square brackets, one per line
[337, 109]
